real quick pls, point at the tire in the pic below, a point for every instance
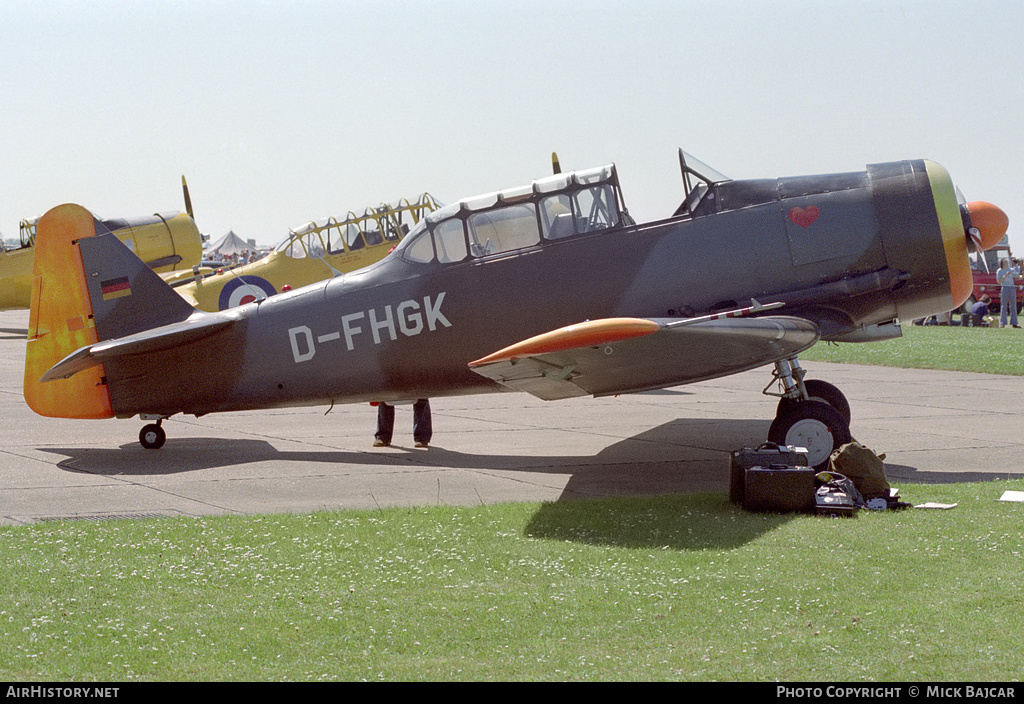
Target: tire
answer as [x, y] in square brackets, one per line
[152, 437]
[819, 390]
[814, 425]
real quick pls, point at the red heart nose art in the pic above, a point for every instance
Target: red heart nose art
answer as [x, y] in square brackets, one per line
[804, 217]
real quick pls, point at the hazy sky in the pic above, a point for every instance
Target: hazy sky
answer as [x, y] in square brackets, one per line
[281, 112]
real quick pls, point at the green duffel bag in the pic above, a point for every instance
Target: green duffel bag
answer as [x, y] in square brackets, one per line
[863, 467]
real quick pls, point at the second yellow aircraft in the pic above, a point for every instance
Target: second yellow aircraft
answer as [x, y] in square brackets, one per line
[314, 252]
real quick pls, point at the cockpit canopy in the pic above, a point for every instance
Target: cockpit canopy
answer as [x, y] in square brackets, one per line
[549, 209]
[698, 180]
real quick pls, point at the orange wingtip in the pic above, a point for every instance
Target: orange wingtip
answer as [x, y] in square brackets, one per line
[588, 334]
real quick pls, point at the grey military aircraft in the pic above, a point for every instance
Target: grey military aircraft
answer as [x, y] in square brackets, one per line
[550, 288]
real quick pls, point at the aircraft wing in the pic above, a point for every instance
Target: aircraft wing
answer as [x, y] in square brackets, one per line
[622, 355]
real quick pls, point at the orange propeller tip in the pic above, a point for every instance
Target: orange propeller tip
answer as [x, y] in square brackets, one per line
[990, 220]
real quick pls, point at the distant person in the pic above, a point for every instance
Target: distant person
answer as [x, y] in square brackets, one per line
[979, 310]
[1006, 277]
[422, 428]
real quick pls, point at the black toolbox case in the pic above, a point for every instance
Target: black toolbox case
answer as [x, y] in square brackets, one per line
[779, 488]
[767, 455]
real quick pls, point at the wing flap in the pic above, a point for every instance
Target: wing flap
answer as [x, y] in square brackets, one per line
[623, 355]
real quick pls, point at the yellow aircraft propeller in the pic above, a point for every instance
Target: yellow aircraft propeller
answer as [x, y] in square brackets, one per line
[188, 201]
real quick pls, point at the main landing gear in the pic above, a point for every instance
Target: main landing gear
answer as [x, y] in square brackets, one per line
[152, 436]
[812, 414]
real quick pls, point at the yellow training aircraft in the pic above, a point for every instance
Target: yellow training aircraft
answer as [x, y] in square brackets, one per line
[167, 242]
[314, 252]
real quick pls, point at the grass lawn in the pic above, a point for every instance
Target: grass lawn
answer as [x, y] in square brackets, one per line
[989, 350]
[670, 588]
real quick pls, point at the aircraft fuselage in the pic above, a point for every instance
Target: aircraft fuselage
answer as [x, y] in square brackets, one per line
[843, 250]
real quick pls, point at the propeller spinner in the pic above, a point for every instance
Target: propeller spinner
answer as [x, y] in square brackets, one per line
[985, 224]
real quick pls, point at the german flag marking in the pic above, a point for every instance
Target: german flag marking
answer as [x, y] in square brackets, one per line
[115, 288]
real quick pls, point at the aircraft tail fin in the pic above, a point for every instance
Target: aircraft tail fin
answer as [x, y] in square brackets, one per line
[86, 287]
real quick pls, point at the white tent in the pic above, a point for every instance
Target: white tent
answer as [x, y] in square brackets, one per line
[229, 244]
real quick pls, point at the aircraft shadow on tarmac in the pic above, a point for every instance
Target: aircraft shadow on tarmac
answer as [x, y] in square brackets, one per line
[13, 333]
[660, 468]
[687, 454]
[682, 456]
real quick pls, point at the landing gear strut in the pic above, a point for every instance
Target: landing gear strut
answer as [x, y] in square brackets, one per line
[811, 414]
[152, 436]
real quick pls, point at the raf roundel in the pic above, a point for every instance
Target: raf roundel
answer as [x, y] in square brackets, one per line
[244, 289]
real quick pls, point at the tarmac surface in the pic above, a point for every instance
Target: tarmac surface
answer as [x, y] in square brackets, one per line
[934, 427]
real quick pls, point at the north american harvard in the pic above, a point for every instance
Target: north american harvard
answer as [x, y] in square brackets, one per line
[551, 288]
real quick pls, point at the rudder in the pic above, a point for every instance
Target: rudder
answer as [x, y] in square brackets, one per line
[61, 319]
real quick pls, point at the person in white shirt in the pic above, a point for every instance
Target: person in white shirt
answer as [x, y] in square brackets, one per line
[1006, 277]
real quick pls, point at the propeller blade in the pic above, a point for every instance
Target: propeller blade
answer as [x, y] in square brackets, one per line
[984, 225]
[188, 201]
[975, 238]
[555, 166]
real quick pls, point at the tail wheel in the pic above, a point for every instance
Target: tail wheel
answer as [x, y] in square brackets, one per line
[814, 425]
[818, 390]
[152, 437]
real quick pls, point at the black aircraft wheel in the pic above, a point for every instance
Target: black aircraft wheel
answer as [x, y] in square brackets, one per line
[814, 425]
[152, 436]
[819, 390]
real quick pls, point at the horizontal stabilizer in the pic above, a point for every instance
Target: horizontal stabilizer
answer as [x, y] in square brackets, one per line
[147, 342]
[622, 355]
